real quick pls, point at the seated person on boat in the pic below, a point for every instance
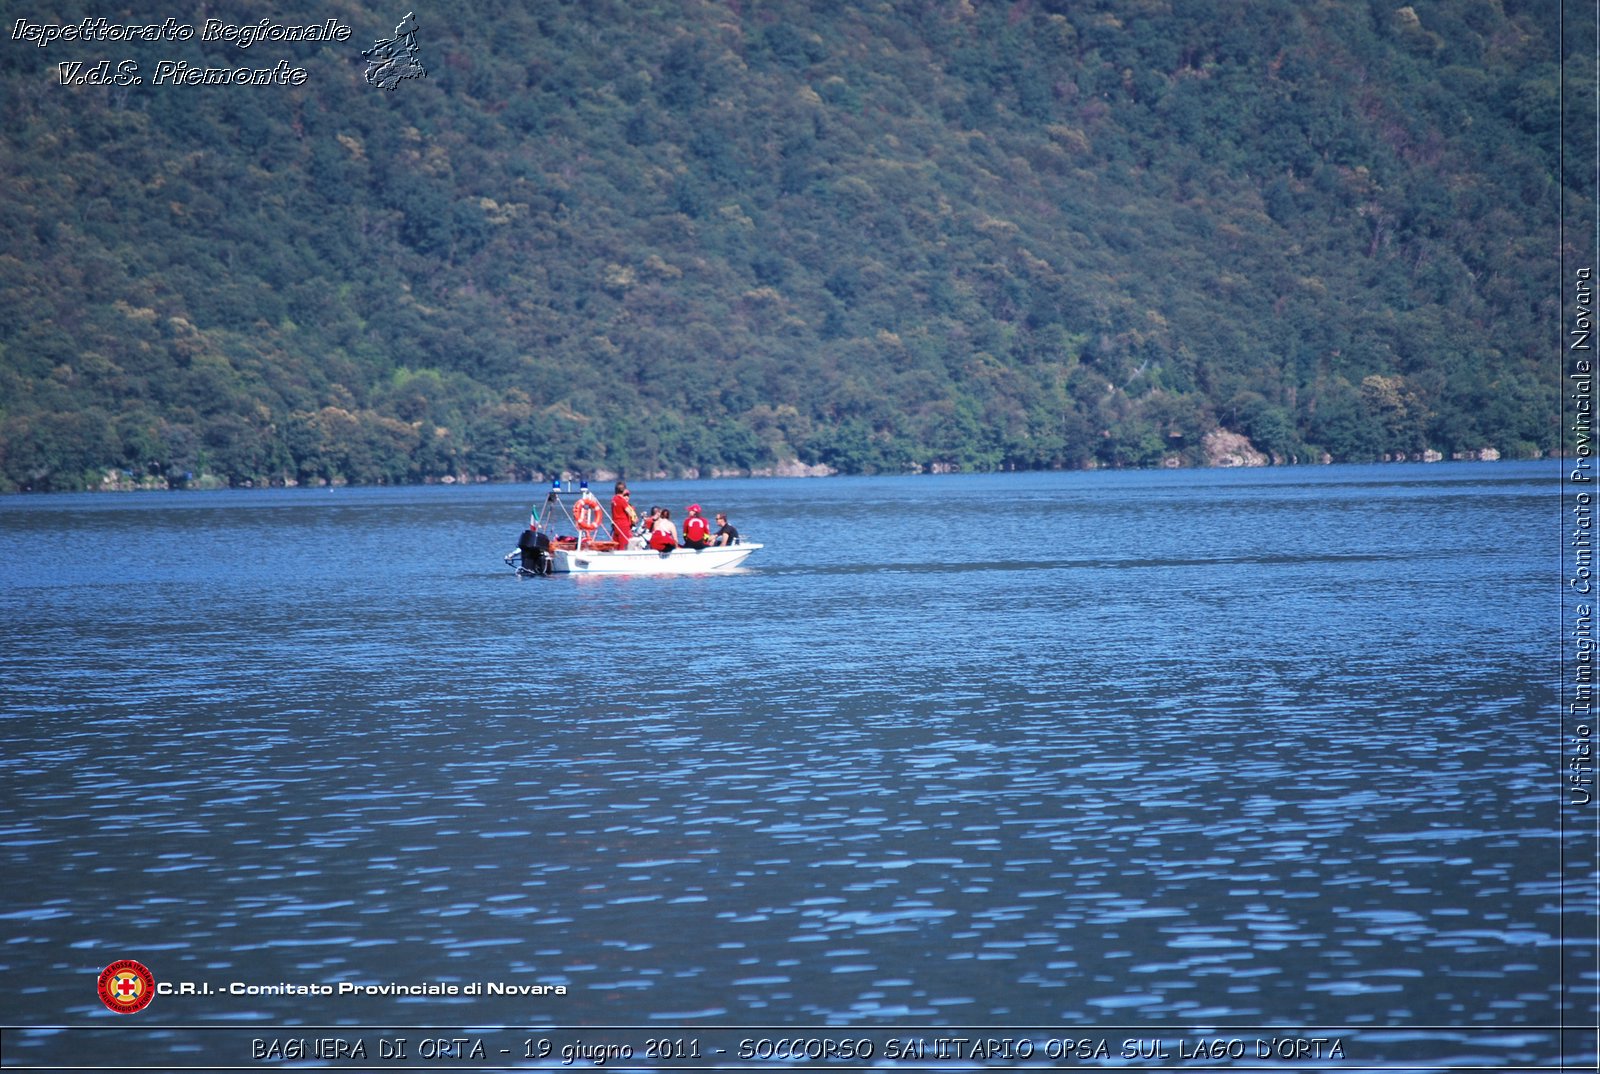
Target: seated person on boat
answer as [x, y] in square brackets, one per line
[696, 530]
[664, 537]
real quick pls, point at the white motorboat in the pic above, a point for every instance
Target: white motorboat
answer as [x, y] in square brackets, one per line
[647, 560]
[584, 555]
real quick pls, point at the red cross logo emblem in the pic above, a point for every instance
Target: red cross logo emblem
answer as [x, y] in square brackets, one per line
[126, 986]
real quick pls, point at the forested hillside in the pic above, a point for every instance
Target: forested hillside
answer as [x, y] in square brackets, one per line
[866, 235]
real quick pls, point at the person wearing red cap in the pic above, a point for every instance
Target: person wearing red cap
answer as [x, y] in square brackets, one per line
[696, 530]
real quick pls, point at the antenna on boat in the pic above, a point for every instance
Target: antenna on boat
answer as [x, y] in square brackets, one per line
[552, 503]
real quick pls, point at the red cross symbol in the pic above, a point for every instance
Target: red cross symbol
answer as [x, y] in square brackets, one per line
[126, 987]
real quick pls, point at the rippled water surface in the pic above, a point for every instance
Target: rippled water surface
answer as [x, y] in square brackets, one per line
[1225, 748]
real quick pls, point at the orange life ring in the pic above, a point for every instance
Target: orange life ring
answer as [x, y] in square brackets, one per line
[586, 513]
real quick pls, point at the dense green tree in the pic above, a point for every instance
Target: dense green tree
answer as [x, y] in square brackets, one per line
[700, 236]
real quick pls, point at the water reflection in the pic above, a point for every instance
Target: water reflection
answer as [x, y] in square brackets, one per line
[1159, 751]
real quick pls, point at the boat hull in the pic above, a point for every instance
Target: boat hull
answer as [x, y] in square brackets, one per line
[647, 561]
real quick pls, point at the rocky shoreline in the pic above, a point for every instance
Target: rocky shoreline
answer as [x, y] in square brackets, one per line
[1223, 450]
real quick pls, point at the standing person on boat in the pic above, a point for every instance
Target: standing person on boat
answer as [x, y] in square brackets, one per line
[726, 534]
[586, 516]
[623, 516]
[664, 538]
[696, 530]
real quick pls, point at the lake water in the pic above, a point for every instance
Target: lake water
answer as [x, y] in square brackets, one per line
[1108, 755]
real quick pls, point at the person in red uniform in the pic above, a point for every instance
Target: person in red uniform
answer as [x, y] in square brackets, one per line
[664, 538]
[696, 530]
[623, 516]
